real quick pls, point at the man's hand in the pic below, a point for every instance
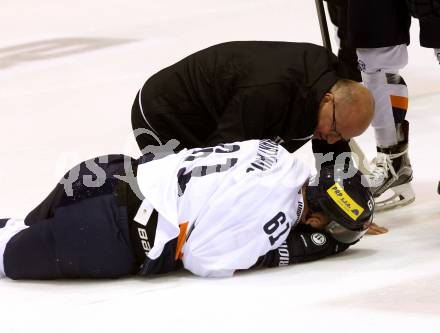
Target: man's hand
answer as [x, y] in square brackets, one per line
[375, 229]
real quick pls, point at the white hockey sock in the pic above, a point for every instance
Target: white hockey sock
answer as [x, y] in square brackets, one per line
[12, 227]
[380, 74]
[383, 121]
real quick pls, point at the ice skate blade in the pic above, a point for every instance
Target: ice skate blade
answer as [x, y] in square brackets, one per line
[401, 195]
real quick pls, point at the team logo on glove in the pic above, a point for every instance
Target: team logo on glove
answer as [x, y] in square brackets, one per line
[318, 239]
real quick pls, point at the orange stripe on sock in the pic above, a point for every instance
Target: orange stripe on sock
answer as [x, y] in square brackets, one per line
[181, 240]
[399, 102]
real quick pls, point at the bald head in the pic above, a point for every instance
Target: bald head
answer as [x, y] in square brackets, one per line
[355, 105]
[345, 111]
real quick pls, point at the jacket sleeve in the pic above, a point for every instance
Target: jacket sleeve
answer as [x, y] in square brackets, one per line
[303, 244]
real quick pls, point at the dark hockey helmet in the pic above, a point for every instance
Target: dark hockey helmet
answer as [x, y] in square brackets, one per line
[345, 200]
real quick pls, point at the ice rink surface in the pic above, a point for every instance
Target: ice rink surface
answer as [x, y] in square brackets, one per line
[68, 75]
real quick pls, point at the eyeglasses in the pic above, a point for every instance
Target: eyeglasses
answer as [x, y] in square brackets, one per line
[333, 129]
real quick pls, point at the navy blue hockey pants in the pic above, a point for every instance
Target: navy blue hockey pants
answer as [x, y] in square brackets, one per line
[78, 231]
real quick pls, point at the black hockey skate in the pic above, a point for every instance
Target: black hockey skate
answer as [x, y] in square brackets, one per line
[393, 172]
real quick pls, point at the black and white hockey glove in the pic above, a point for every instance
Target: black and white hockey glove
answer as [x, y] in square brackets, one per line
[303, 244]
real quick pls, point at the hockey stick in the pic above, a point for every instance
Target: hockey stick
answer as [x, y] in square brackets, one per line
[360, 157]
[323, 25]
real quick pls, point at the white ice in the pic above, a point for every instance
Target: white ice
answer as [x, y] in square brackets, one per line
[69, 72]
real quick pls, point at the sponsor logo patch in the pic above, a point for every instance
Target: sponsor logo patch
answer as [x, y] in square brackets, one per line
[345, 202]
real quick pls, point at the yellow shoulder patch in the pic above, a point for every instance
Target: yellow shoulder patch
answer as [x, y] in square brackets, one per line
[344, 201]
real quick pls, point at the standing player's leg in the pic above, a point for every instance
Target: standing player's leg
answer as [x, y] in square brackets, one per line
[379, 30]
[392, 170]
[79, 230]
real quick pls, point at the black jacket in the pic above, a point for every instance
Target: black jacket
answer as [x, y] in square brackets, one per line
[241, 90]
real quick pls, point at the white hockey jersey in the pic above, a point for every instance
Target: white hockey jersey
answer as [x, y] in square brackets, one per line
[231, 203]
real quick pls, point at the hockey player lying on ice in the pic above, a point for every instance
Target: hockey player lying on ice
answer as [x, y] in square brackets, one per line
[212, 211]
